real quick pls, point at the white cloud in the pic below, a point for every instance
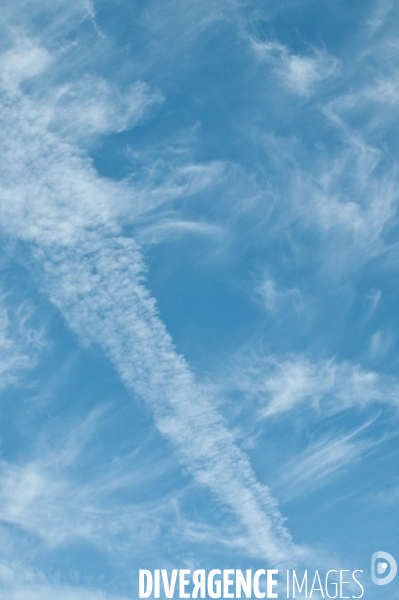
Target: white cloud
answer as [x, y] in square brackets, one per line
[101, 296]
[278, 299]
[302, 72]
[180, 24]
[365, 212]
[59, 16]
[380, 343]
[348, 199]
[282, 385]
[321, 462]
[52, 197]
[171, 228]
[379, 15]
[299, 73]
[347, 190]
[54, 495]
[26, 59]
[161, 182]
[94, 106]
[87, 106]
[384, 91]
[47, 178]
[20, 342]
[375, 300]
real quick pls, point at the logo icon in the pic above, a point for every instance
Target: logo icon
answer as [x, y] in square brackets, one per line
[380, 561]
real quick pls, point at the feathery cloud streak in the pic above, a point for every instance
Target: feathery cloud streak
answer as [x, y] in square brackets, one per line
[281, 385]
[298, 73]
[95, 276]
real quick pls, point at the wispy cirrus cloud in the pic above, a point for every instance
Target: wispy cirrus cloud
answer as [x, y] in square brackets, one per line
[281, 385]
[300, 73]
[78, 227]
[322, 462]
[276, 299]
[23, 61]
[94, 275]
[143, 353]
[20, 342]
[50, 496]
[93, 106]
[379, 14]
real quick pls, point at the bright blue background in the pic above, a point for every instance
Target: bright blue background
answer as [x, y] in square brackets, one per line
[250, 149]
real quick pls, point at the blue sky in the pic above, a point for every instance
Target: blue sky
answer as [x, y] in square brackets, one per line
[198, 301]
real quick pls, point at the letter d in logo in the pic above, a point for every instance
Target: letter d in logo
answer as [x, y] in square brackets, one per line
[382, 567]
